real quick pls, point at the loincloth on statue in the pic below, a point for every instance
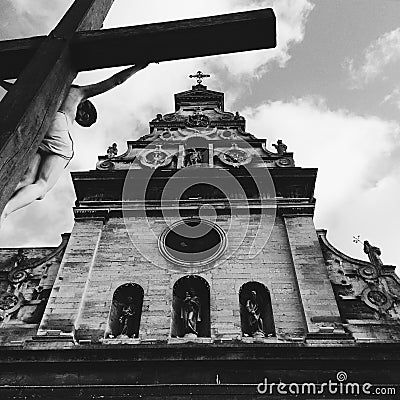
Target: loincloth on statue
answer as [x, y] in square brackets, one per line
[58, 139]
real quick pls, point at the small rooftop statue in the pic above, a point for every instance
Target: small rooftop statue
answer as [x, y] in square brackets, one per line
[19, 258]
[112, 150]
[238, 116]
[372, 252]
[280, 147]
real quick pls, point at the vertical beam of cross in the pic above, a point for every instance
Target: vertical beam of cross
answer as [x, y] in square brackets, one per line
[27, 110]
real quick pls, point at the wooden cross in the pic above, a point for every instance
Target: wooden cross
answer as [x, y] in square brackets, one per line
[46, 66]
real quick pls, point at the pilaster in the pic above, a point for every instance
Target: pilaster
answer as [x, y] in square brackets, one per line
[319, 305]
[68, 294]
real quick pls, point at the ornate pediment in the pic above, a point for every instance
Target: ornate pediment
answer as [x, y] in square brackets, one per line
[199, 117]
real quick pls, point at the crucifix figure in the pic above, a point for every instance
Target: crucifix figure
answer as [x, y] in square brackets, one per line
[57, 148]
[45, 68]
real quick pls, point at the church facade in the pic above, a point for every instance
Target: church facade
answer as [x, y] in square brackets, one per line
[194, 269]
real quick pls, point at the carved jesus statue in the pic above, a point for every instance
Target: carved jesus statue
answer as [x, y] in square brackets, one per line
[57, 148]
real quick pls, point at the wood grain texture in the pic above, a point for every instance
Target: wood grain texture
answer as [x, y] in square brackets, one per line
[27, 110]
[250, 30]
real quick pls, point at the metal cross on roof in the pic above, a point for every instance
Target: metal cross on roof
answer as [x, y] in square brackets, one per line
[199, 75]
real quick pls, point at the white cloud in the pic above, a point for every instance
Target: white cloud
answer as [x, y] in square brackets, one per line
[358, 161]
[376, 57]
[393, 97]
[291, 19]
[21, 18]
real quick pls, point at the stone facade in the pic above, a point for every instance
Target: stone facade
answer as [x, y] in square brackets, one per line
[114, 323]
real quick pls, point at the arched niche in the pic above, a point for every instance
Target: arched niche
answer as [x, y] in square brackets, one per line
[263, 299]
[126, 311]
[196, 151]
[199, 290]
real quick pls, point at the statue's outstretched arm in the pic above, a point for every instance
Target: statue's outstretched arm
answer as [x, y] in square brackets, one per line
[6, 85]
[115, 80]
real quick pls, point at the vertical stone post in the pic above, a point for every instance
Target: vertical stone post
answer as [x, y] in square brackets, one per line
[318, 300]
[67, 297]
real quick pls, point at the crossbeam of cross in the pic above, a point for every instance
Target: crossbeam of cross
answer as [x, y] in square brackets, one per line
[199, 76]
[46, 66]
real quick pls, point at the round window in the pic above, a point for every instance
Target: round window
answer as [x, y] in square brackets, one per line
[192, 242]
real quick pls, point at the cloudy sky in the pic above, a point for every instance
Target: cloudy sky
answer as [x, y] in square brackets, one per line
[330, 90]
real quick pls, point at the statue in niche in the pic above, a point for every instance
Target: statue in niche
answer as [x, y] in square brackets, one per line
[191, 313]
[127, 318]
[193, 157]
[280, 147]
[112, 150]
[373, 254]
[256, 324]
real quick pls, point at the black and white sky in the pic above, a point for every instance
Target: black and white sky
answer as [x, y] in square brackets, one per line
[330, 90]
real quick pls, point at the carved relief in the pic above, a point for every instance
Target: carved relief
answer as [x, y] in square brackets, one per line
[155, 158]
[235, 156]
[377, 299]
[364, 290]
[197, 120]
[9, 304]
[25, 284]
[337, 273]
[195, 156]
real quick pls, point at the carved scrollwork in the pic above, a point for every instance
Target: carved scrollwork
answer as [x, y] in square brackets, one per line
[19, 264]
[16, 276]
[284, 162]
[368, 272]
[106, 165]
[9, 303]
[377, 299]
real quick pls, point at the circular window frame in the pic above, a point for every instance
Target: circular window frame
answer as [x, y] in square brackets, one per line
[163, 248]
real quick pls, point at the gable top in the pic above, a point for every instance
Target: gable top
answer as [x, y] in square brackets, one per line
[199, 124]
[199, 95]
